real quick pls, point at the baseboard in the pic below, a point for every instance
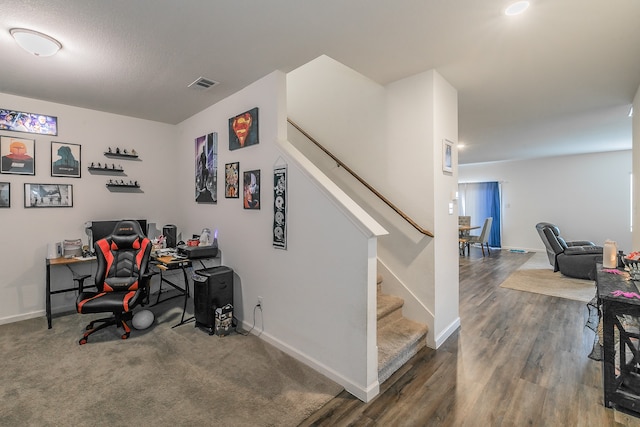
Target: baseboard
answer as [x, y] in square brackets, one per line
[363, 393]
[447, 332]
[25, 316]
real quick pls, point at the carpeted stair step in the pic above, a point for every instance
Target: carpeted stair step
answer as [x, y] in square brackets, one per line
[398, 341]
[389, 309]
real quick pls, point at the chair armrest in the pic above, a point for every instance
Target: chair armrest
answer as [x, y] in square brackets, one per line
[582, 250]
[580, 243]
[80, 278]
[145, 281]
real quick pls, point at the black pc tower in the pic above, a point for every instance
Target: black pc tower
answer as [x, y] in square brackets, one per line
[212, 288]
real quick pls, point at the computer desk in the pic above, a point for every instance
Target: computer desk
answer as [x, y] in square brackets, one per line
[169, 262]
[76, 277]
[163, 263]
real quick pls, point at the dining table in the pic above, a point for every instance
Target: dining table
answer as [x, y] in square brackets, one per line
[463, 233]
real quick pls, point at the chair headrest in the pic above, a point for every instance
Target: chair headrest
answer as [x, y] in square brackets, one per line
[127, 228]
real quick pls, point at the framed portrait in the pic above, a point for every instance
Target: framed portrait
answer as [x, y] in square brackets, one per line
[251, 189]
[65, 159]
[243, 129]
[48, 195]
[5, 195]
[20, 121]
[206, 162]
[447, 156]
[18, 155]
[231, 180]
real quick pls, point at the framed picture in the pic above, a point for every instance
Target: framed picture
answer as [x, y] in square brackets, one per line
[447, 156]
[243, 129]
[20, 121]
[231, 180]
[18, 155]
[251, 189]
[207, 168]
[5, 195]
[48, 195]
[65, 159]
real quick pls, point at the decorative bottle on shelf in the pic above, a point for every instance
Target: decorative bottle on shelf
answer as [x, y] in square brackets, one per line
[610, 254]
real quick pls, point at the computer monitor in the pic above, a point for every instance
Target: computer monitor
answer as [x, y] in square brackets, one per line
[102, 229]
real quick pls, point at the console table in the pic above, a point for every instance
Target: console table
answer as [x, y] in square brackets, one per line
[622, 388]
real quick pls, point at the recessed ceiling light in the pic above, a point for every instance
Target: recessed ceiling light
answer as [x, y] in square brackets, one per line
[35, 43]
[516, 8]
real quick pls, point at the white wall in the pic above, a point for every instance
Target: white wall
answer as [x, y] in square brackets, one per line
[319, 294]
[586, 196]
[636, 168]
[25, 232]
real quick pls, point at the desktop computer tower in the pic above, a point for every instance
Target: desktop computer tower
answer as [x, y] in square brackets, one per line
[212, 288]
[170, 232]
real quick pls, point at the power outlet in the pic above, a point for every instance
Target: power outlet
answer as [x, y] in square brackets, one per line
[260, 301]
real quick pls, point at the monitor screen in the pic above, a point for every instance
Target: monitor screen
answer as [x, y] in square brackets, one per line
[102, 229]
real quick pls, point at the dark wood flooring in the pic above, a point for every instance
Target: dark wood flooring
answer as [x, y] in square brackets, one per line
[518, 359]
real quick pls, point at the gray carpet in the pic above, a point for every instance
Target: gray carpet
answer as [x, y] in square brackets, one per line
[159, 376]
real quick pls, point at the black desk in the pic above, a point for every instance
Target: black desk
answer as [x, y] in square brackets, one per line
[76, 277]
[165, 263]
[622, 388]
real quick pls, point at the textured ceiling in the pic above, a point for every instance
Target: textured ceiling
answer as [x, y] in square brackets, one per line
[558, 80]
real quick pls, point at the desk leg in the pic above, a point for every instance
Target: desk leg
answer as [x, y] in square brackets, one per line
[48, 295]
[186, 297]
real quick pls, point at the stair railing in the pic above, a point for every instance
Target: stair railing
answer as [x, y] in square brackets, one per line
[362, 181]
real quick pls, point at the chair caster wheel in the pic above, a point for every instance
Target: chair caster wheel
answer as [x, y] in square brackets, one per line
[82, 341]
[125, 336]
[88, 328]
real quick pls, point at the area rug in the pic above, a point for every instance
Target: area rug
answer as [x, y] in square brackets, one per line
[537, 276]
[158, 377]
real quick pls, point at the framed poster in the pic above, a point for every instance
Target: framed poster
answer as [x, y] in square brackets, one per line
[65, 159]
[280, 207]
[20, 121]
[231, 180]
[207, 168]
[447, 156]
[5, 195]
[243, 129]
[18, 155]
[48, 195]
[251, 189]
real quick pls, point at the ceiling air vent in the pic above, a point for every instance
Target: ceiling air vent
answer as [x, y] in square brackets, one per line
[202, 83]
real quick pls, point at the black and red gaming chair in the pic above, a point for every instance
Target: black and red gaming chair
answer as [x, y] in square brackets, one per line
[121, 278]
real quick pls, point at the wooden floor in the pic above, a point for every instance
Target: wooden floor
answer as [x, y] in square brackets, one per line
[518, 359]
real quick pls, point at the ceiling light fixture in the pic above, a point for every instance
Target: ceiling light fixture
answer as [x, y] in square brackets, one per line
[35, 43]
[516, 8]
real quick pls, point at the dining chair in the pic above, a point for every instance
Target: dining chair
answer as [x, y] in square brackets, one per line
[483, 238]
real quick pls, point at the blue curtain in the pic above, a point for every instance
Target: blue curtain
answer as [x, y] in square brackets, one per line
[482, 200]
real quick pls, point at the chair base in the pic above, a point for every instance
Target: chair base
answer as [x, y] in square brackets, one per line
[106, 322]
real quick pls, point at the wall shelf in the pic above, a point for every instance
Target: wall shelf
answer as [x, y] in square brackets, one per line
[107, 171]
[121, 155]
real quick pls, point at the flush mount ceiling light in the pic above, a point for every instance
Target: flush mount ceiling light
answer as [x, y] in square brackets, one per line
[35, 43]
[516, 8]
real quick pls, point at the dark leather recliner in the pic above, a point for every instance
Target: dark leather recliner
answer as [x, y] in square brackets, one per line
[121, 278]
[575, 258]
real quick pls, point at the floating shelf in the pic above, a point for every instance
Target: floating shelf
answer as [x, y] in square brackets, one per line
[121, 155]
[123, 185]
[97, 169]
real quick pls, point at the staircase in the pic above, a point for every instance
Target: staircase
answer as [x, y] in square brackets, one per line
[399, 339]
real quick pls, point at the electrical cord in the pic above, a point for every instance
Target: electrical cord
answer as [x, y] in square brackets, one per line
[254, 322]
